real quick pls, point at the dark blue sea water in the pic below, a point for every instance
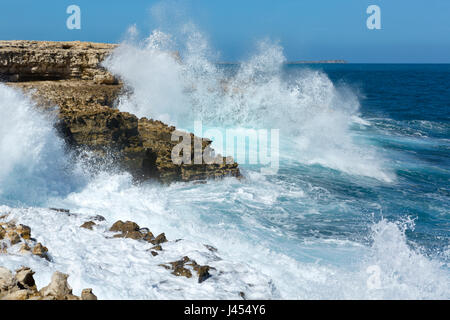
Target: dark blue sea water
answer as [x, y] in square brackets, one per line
[408, 107]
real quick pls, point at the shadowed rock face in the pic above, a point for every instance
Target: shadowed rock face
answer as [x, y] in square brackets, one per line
[68, 75]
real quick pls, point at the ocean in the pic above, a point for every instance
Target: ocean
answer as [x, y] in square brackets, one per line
[358, 209]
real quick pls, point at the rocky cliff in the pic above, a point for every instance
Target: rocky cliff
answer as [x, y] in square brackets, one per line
[69, 75]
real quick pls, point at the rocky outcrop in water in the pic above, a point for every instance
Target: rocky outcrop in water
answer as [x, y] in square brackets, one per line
[22, 286]
[12, 235]
[69, 75]
[185, 266]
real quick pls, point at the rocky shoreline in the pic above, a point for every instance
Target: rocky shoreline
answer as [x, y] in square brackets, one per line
[66, 80]
[21, 285]
[69, 75]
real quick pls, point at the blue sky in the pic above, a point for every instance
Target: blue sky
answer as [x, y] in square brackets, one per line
[412, 30]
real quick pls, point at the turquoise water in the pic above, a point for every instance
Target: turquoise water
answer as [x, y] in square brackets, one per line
[363, 179]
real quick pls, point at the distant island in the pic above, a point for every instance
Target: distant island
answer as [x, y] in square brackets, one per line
[317, 61]
[295, 62]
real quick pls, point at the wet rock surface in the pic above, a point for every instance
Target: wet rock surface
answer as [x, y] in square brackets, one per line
[185, 266]
[130, 229]
[12, 234]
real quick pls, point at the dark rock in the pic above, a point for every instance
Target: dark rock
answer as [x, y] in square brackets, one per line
[24, 231]
[149, 237]
[41, 251]
[210, 248]
[60, 210]
[88, 225]
[136, 235]
[160, 239]
[202, 273]
[98, 218]
[179, 269]
[87, 294]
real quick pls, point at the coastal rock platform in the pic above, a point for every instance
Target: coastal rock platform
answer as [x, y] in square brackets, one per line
[69, 76]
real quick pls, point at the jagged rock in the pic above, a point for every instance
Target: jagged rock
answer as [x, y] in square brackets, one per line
[87, 294]
[41, 251]
[128, 226]
[85, 94]
[154, 253]
[24, 231]
[20, 234]
[25, 248]
[6, 279]
[179, 269]
[13, 237]
[58, 287]
[23, 287]
[88, 225]
[160, 239]
[128, 229]
[98, 218]
[24, 277]
[158, 248]
[202, 273]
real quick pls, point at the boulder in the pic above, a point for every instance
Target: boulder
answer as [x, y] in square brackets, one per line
[180, 268]
[87, 294]
[88, 225]
[58, 287]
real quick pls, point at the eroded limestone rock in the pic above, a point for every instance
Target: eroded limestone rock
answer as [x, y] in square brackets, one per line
[12, 234]
[22, 286]
[69, 75]
[38, 60]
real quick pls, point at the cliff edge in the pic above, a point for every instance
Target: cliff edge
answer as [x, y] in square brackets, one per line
[68, 75]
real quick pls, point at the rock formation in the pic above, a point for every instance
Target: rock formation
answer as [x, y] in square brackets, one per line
[69, 75]
[47, 60]
[184, 266]
[12, 235]
[130, 229]
[21, 286]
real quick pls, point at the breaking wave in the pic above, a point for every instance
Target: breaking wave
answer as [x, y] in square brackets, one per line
[179, 83]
